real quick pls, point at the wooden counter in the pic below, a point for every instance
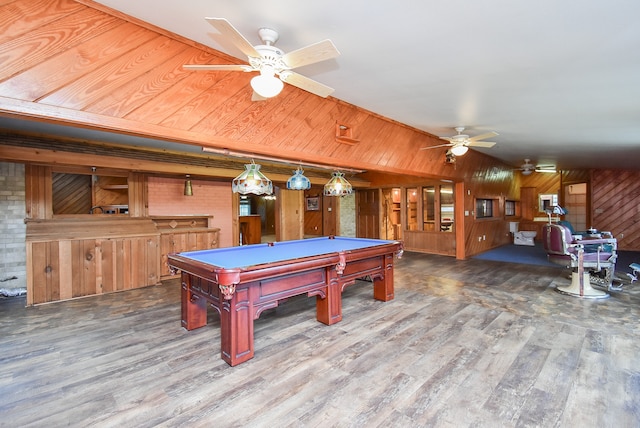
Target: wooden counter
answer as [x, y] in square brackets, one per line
[69, 258]
[184, 233]
[87, 255]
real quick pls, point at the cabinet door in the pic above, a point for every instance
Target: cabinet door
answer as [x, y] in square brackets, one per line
[206, 240]
[43, 264]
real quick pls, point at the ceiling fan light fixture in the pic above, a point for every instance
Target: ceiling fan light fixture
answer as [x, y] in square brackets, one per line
[266, 84]
[459, 150]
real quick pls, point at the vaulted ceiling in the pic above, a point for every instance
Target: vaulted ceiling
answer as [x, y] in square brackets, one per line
[559, 81]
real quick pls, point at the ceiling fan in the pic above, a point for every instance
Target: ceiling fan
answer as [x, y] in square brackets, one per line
[460, 143]
[273, 64]
[527, 168]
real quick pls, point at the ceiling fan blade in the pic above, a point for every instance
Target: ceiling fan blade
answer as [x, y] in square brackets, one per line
[480, 144]
[483, 136]
[225, 28]
[307, 84]
[229, 67]
[311, 54]
[435, 147]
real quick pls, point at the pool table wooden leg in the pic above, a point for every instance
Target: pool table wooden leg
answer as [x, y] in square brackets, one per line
[383, 285]
[236, 327]
[194, 307]
[329, 309]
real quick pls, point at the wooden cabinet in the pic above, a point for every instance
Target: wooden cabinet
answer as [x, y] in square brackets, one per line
[250, 229]
[76, 257]
[72, 258]
[177, 241]
[184, 233]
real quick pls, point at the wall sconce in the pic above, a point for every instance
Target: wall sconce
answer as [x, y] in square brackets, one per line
[188, 190]
[252, 181]
[298, 181]
[338, 185]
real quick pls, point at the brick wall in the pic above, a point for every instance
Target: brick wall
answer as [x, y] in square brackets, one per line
[347, 215]
[12, 227]
[166, 197]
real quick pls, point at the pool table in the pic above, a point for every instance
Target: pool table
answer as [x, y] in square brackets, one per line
[241, 282]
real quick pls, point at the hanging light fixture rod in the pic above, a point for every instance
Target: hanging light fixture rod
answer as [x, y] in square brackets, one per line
[231, 153]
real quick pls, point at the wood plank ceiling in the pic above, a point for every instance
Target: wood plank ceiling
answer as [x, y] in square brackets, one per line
[81, 64]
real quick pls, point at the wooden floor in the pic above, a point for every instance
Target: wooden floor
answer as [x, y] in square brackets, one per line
[464, 343]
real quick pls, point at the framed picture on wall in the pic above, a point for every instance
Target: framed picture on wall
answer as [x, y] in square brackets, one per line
[313, 204]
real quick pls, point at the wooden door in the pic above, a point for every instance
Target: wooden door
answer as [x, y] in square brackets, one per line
[528, 202]
[330, 215]
[290, 212]
[368, 209]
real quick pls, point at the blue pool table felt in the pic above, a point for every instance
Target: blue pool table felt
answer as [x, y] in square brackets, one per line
[257, 254]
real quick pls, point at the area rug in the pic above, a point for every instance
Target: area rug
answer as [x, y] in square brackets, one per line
[535, 255]
[525, 254]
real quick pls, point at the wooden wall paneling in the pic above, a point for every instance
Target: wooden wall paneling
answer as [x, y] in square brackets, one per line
[38, 191]
[615, 207]
[459, 222]
[313, 219]
[110, 192]
[430, 242]
[137, 194]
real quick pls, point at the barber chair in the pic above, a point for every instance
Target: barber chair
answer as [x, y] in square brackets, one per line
[591, 259]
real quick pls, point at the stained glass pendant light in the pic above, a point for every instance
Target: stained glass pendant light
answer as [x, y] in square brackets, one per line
[252, 181]
[338, 185]
[298, 181]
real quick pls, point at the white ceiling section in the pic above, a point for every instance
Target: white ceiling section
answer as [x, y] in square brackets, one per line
[559, 80]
